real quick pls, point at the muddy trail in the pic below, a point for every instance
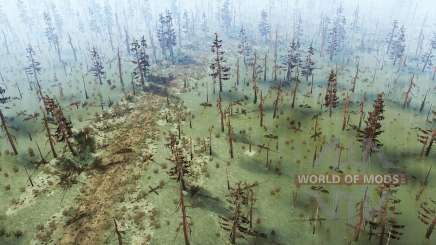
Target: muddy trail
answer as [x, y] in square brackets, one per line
[124, 136]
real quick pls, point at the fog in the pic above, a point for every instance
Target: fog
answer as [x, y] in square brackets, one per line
[116, 113]
[22, 21]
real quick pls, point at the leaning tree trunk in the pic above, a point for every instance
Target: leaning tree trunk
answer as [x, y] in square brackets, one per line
[432, 139]
[50, 139]
[10, 138]
[430, 229]
[184, 216]
[294, 95]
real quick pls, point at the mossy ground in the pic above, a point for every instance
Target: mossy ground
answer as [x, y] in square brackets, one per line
[157, 214]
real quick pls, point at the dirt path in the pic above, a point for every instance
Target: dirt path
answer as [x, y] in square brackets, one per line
[124, 140]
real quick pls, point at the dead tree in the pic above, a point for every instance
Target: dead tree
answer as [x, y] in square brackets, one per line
[238, 76]
[8, 134]
[84, 87]
[118, 233]
[221, 112]
[346, 116]
[383, 222]
[427, 138]
[427, 215]
[49, 135]
[210, 140]
[261, 109]
[277, 100]
[70, 42]
[64, 127]
[254, 78]
[368, 137]
[359, 227]
[4, 100]
[316, 136]
[362, 110]
[341, 148]
[267, 150]
[120, 71]
[230, 137]
[294, 93]
[421, 108]
[276, 66]
[424, 184]
[180, 170]
[331, 99]
[238, 222]
[315, 220]
[408, 93]
[355, 77]
[265, 59]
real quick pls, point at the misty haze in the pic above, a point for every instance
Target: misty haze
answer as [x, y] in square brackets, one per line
[191, 121]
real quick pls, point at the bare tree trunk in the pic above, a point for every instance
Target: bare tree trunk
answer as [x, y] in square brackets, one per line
[40, 153]
[50, 139]
[221, 112]
[70, 146]
[276, 102]
[235, 224]
[261, 113]
[294, 94]
[185, 223]
[28, 176]
[253, 78]
[311, 84]
[356, 75]
[229, 128]
[117, 231]
[430, 229]
[275, 59]
[84, 87]
[19, 90]
[72, 47]
[346, 112]
[120, 72]
[314, 156]
[237, 72]
[218, 64]
[210, 141]
[423, 101]
[409, 90]
[430, 144]
[265, 66]
[10, 137]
